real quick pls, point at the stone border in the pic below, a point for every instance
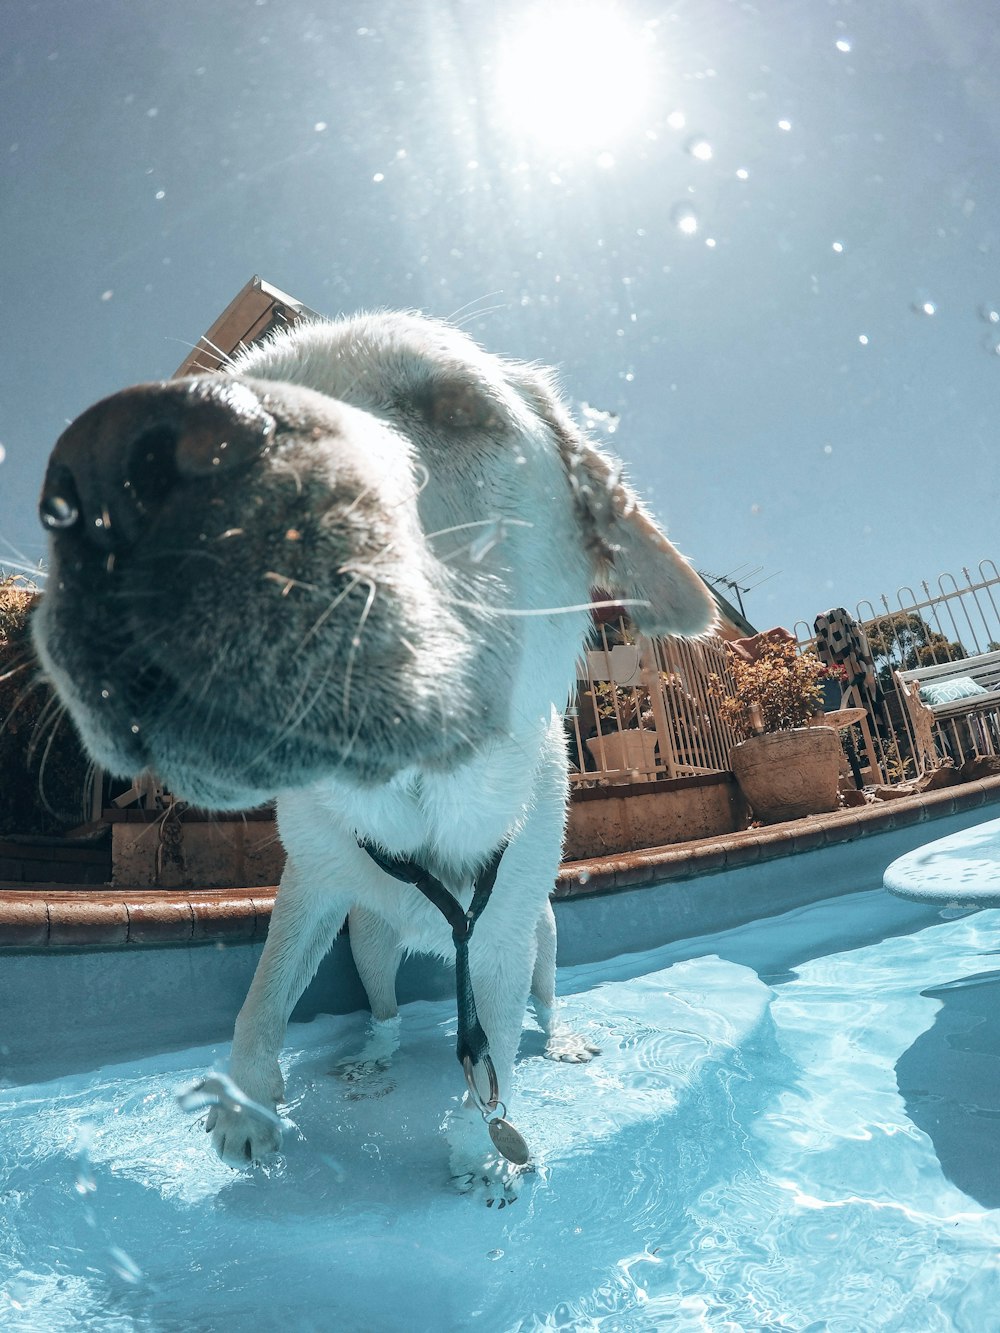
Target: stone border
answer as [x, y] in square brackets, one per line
[51, 918]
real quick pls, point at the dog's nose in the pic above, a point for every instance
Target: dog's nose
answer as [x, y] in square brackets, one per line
[113, 468]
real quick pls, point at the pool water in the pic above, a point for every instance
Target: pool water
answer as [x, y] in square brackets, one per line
[795, 1125]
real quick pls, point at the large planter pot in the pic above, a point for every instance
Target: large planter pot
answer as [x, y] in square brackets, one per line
[788, 774]
[632, 754]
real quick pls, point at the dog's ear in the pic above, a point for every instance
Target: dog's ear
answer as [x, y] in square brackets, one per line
[632, 558]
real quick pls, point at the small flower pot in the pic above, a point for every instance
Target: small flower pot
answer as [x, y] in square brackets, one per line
[789, 774]
[631, 755]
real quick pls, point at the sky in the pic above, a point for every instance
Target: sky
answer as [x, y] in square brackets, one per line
[764, 238]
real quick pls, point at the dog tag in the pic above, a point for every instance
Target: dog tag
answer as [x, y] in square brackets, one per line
[508, 1142]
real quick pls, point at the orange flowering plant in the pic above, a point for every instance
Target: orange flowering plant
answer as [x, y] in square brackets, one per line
[780, 690]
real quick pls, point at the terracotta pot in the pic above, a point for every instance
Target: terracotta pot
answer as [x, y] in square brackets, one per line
[788, 774]
[630, 753]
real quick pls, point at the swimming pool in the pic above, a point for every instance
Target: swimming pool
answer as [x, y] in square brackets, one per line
[793, 1125]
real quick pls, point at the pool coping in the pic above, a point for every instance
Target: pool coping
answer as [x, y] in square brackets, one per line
[50, 917]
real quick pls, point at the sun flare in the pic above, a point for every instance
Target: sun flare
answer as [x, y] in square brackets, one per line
[575, 75]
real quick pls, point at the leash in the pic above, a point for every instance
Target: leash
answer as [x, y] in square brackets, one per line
[472, 1047]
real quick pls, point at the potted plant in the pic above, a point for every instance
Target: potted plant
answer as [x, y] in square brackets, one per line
[786, 768]
[628, 745]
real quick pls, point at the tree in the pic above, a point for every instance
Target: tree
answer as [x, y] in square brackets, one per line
[903, 640]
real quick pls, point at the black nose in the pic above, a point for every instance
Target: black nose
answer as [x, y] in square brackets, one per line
[114, 467]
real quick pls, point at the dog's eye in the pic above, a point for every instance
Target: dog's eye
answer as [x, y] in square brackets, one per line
[460, 406]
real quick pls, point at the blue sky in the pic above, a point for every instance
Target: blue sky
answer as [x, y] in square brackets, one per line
[766, 237]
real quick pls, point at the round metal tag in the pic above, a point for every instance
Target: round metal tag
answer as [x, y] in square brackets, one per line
[508, 1142]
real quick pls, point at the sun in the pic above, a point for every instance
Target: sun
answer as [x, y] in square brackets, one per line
[575, 75]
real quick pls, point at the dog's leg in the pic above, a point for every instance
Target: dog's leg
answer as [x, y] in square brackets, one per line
[377, 953]
[304, 924]
[561, 1042]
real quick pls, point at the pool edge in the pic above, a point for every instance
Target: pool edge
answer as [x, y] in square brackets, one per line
[56, 918]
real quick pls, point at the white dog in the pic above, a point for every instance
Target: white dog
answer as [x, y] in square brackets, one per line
[353, 573]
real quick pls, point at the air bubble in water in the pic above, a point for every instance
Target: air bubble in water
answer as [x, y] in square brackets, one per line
[124, 1266]
[3, 453]
[988, 313]
[923, 306]
[85, 1182]
[685, 219]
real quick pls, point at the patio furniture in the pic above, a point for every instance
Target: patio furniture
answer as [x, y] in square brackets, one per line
[945, 695]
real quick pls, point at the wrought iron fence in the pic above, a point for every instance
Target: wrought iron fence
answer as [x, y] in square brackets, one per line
[944, 621]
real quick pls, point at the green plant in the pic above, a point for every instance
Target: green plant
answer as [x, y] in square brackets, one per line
[624, 706]
[779, 690]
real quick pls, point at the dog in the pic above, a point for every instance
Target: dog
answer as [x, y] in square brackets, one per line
[352, 573]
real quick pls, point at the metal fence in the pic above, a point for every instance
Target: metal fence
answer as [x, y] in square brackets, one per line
[647, 709]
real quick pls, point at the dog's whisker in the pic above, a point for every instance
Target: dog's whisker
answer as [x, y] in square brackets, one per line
[469, 308]
[324, 616]
[516, 613]
[356, 643]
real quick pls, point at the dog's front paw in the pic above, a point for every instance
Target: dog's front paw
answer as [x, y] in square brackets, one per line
[244, 1124]
[475, 1168]
[569, 1046]
[493, 1180]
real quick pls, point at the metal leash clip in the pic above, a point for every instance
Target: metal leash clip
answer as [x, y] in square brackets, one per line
[506, 1139]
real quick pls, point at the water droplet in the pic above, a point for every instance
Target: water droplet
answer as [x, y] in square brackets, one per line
[838, 247]
[160, 194]
[494, 1254]
[134, 728]
[677, 120]
[843, 44]
[699, 148]
[606, 160]
[784, 124]
[583, 877]
[828, 448]
[320, 126]
[863, 339]
[990, 314]
[742, 174]
[378, 177]
[106, 296]
[105, 693]
[3, 453]
[992, 345]
[922, 306]
[685, 218]
[58, 512]
[710, 242]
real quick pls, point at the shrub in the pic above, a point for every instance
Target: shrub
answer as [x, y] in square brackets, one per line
[780, 690]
